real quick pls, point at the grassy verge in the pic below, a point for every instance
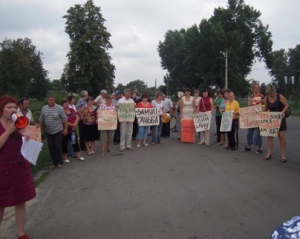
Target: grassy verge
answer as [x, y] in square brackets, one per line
[43, 166]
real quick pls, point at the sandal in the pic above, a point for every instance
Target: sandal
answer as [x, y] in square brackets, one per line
[283, 161]
[152, 143]
[146, 145]
[109, 150]
[89, 152]
[24, 237]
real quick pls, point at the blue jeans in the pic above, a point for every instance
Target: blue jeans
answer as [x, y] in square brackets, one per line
[156, 132]
[254, 133]
[143, 132]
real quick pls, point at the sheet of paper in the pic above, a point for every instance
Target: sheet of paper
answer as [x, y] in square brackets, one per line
[31, 150]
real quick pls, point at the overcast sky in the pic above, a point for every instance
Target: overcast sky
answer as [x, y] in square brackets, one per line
[136, 27]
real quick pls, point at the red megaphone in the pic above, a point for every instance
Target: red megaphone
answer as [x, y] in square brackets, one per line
[20, 121]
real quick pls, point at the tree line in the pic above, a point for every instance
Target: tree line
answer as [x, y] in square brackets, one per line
[193, 57]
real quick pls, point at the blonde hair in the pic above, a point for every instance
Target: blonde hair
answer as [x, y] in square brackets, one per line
[270, 89]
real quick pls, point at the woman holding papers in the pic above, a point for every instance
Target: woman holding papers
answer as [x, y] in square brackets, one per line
[278, 103]
[90, 128]
[16, 181]
[107, 136]
[233, 106]
[143, 130]
[205, 104]
[156, 130]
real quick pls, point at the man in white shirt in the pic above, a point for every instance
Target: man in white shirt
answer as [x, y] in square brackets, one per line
[24, 110]
[101, 98]
[168, 105]
[126, 127]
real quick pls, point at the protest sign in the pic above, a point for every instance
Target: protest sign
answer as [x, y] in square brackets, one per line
[202, 121]
[35, 133]
[226, 121]
[107, 120]
[269, 123]
[126, 112]
[147, 116]
[248, 116]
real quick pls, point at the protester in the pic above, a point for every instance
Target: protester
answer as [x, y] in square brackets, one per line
[107, 136]
[71, 99]
[143, 130]
[118, 96]
[126, 127]
[156, 129]
[73, 119]
[90, 132]
[180, 94]
[186, 105]
[16, 181]
[275, 102]
[218, 116]
[81, 103]
[196, 100]
[24, 110]
[254, 99]
[56, 126]
[168, 105]
[222, 109]
[233, 106]
[206, 104]
[135, 125]
[101, 98]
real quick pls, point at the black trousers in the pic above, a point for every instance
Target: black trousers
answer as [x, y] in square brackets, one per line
[81, 142]
[165, 132]
[117, 134]
[55, 147]
[218, 124]
[231, 135]
[65, 141]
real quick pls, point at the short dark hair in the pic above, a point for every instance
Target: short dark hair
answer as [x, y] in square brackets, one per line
[70, 97]
[187, 89]
[220, 92]
[21, 100]
[64, 101]
[144, 96]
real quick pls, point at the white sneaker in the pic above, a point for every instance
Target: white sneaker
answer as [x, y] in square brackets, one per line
[67, 161]
[81, 158]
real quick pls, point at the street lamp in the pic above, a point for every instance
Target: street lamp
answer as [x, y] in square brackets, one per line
[225, 54]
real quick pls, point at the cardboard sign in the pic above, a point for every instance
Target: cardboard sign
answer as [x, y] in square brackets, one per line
[269, 123]
[147, 116]
[248, 116]
[35, 133]
[126, 112]
[226, 121]
[202, 121]
[107, 119]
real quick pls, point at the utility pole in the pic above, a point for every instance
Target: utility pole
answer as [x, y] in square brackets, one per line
[226, 69]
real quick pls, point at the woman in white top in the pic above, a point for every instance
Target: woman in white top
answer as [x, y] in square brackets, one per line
[196, 100]
[186, 105]
[156, 129]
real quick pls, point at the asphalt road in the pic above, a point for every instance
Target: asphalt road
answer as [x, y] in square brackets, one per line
[169, 191]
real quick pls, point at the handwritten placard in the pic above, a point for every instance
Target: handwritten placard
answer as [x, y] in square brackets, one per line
[269, 123]
[107, 119]
[226, 121]
[126, 112]
[147, 116]
[248, 116]
[202, 121]
[35, 133]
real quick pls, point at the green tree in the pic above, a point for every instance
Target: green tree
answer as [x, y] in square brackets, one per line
[192, 57]
[21, 69]
[89, 64]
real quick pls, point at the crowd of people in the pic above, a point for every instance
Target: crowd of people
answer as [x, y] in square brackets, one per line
[65, 120]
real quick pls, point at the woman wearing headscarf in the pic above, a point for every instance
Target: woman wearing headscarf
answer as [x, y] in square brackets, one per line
[16, 181]
[275, 102]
